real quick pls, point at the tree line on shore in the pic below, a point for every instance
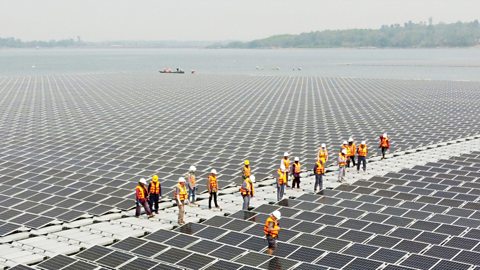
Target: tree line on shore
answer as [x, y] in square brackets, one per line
[408, 35]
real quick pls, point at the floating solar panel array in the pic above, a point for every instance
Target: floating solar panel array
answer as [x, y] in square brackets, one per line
[74, 145]
[380, 223]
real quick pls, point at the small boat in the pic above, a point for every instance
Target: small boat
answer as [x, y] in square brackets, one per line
[169, 70]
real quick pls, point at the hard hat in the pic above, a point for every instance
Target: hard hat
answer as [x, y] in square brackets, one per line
[363, 142]
[297, 159]
[345, 142]
[282, 167]
[246, 162]
[385, 134]
[344, 151]
[324, 145]
[143, 181]
[285, 154]
[252, 178]
[181, 180]
[155, 177]
[192, 168]
[277, 214]
[213, 171]
[350, 139]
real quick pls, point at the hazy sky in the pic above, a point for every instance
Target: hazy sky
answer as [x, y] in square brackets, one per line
[96, 20]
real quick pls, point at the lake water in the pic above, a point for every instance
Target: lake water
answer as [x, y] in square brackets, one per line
[434, 64]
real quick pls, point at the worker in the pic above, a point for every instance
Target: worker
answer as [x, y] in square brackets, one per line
[191, 183]
[247, 190]
[181, 196]
[246, 170]
[154, 193]
[384, 144]
[212, 188]
[296, 169]
[344, 146]
[362, 156]
[319, 171]
[271, 230]
[141, 194]
[323, 153]
[286, 163]
[281, 181]
[352, 149]
[342, 162]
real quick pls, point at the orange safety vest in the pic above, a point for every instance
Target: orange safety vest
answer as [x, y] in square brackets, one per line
[362, 150]
[320, 168]
[271, 232]
[297, 167]
[351, 150]
[322, 155]
[246, 171]
[286, 163]
[248, 190]
[140, 192]
[212, 183]
[384, 142]
[154, 187]
[183, 192]
[281, 177]
[342, 160]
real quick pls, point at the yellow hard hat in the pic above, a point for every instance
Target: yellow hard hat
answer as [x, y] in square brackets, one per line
[247, 162]
[155, 178]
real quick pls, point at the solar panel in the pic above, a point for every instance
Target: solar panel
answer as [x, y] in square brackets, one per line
[278, 263]
[138, 263]
[335, 260]
[196, 261]
[253, 259]
[419, 261]
[224, 265]
[56, 262]
[360, 263]
[114, 259]
[161, 235]
[227, 252]
[93, 253]
[332, 244]
[173, 255]
[129, 243]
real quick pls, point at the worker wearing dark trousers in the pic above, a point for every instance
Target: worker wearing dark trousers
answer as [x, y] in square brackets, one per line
[384, 144]
[141, 198]
[154, 193]
[212, 188]
[352, 149]
[362, 156]
[296, 170]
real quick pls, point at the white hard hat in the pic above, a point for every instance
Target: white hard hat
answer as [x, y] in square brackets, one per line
[252, 178]
[213, 171]
[181, 180]
[143, 181]
[350, 139]
[277, 214]
[385, 134]
[282, 167]
[363, 142]
[324, 145]
[344, 151]
[192, 168]
[285, 154]
[297, 159]
[345, 142]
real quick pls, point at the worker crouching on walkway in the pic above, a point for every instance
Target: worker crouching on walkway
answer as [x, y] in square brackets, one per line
[212, 188]
[384, 144]
[342, 162]
[281, 182]
[271, 230]
[180, 195]
[362, 156]
[191, 182]
[286, 163]
[247, 190]
[154, 193]
[319, 171]
[141, 198]
[296, 170]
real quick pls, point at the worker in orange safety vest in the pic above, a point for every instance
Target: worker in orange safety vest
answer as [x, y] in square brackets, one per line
[342, 162]
[141, 195]
[352, 149]
[362, 156]
[286, 163]
[296, 169]
[271, 230]
[212, 188]
[154, 193]
[384, 144]
[180, 195]
[247, 190]
[318, 171]
[281, 182]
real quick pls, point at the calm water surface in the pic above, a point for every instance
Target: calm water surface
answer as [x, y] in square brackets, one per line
[434, 64]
